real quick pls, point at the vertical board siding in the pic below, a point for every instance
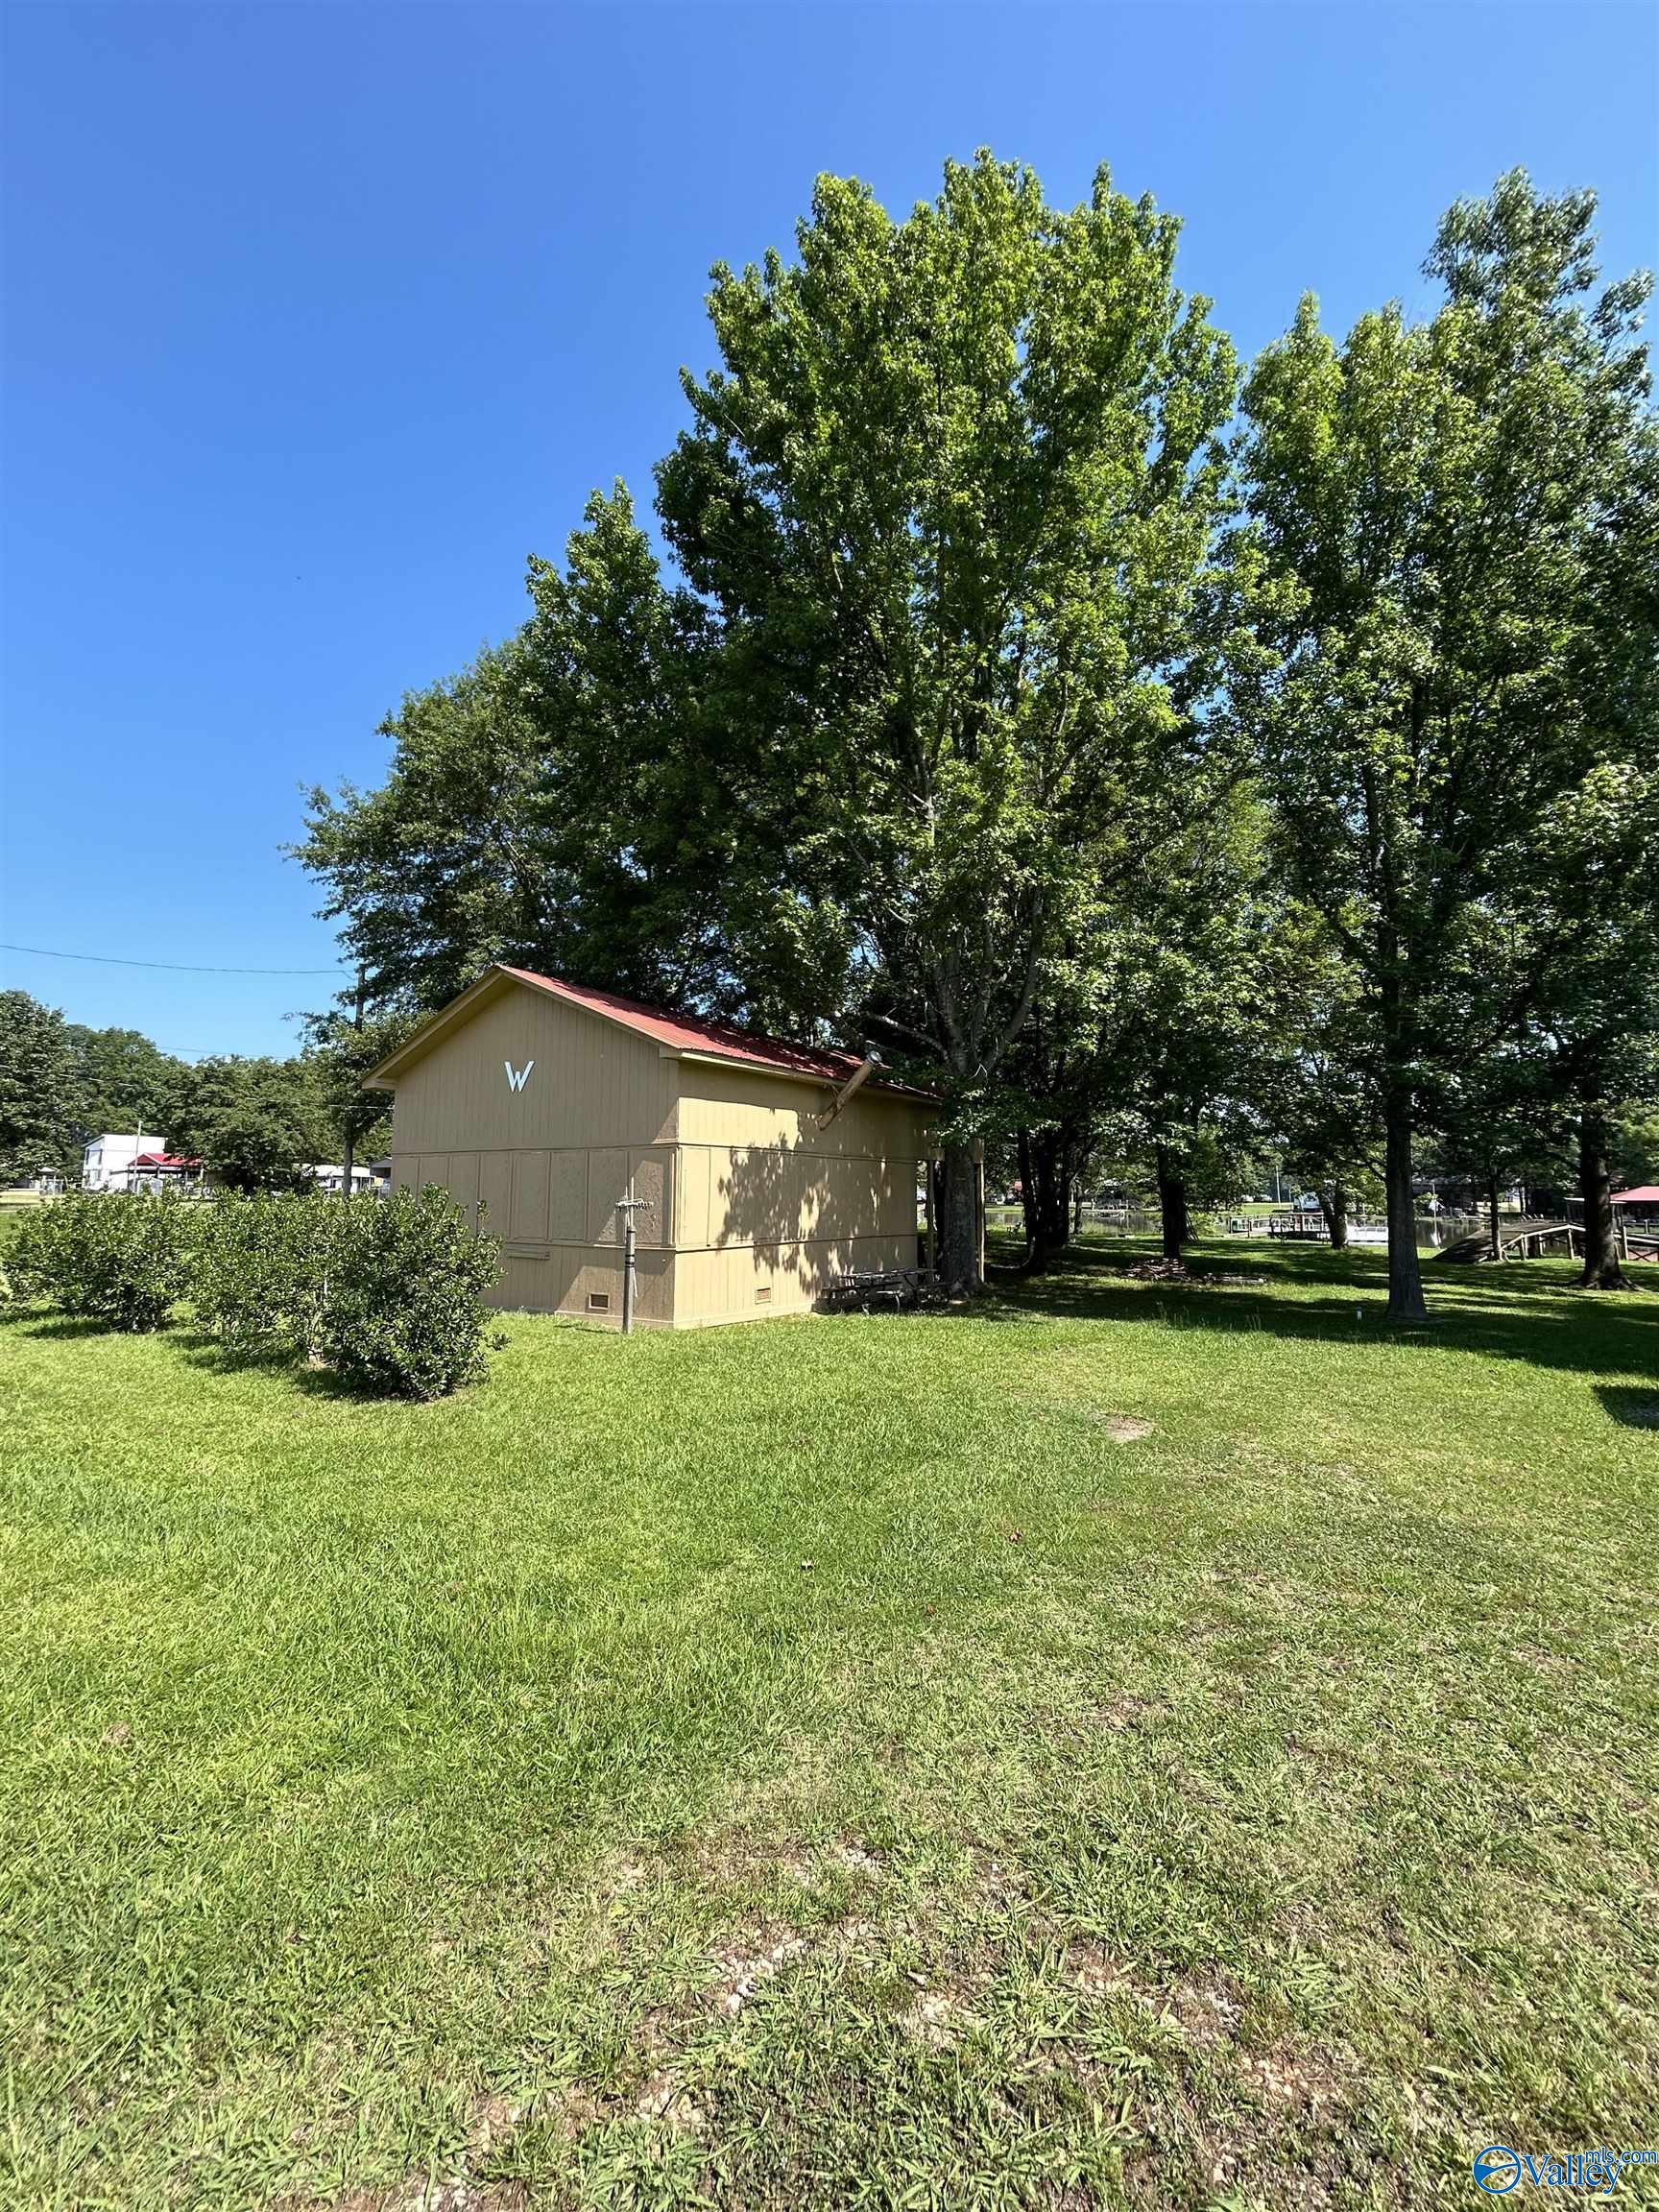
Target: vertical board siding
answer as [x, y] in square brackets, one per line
[588, 1082]
[774, 1202]
[527, 1218]
[548, 1157]
[747, 1202]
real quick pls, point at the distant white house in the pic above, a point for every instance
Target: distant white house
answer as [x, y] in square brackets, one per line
[138, 1163]
[331, 1177]
[107, 1161]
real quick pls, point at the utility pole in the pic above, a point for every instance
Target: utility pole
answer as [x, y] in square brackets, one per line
[348, 1140]
[627, 1208]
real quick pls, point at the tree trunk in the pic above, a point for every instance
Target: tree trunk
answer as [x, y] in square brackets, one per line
[1335, 1209]
[1497, 1241]
[1029, 1200]
[1053, 1184]
[1047, 1210]
[1406, 1302]
[1172, 1204]
[349, 1143]
[1602, 1269]
[959, 1223]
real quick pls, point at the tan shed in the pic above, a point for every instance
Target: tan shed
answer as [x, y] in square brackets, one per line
[761, 1168]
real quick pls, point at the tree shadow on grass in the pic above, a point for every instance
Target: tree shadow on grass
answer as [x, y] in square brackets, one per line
[1508, 1311]
[1634, 1407]
[50, 1327]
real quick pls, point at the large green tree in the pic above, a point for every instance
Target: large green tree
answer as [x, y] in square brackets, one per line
[341, 1049]
[254, 1121]
[126, 1082]
[1441, 506]
[935, 681]
[952, 495]
[39, 1090]
[1317, 1090]
[1585, 913]
[568, 803]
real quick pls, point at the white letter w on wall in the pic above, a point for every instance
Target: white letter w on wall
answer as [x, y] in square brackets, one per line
[518, 1078]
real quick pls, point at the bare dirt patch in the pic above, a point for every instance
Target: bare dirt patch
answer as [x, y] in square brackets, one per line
[743, 1971]
[495, 2120]
[670, 2102]
[935, 2020]
[1286, 2080]
[859, 1859]
[458, 2193]
[1125, 1712]
[1101, 1973]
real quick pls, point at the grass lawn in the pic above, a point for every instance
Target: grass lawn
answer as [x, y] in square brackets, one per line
[1138, 1745]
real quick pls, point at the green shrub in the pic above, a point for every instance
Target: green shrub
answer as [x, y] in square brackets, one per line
[110, 1256]
[387, 1291]
[404, 1308]
[261, 1270]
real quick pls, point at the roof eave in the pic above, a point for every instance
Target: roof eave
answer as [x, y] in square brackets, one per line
[385, 1076]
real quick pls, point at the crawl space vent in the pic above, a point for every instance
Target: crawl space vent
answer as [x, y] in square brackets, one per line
[598, 1301]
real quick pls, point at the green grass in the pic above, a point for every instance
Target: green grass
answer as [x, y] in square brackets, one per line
[824, 1763]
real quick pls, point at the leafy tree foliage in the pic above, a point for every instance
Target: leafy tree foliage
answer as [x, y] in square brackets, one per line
[953, 491]
[62, 1083]
[1442, 507]
[1585, 914]
[561, 805]
[254, 1121]
[341, 1049]
[39, 1090]
[125, 1082]
[936, 726]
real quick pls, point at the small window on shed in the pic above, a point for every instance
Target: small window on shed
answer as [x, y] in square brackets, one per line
[598, 1301]
[763, 1297]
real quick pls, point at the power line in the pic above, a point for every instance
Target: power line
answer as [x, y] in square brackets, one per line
[173, 967]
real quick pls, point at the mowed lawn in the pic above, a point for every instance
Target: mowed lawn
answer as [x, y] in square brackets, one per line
[842, 1762]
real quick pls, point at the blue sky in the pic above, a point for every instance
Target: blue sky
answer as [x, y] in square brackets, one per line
[320, 318]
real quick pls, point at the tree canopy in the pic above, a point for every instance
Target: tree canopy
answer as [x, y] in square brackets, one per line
[1445, 509]
[978, 622]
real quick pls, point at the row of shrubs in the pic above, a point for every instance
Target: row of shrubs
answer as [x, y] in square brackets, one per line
[386, 1293]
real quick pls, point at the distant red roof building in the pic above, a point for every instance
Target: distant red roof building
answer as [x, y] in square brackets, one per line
[1644, 1194]
[165, 1162]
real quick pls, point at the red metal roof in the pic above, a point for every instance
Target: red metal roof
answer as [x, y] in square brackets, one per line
[164, 1160]
[688, 1033]
[1644, 1194]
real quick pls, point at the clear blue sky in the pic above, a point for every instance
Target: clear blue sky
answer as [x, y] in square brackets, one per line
[320, 318]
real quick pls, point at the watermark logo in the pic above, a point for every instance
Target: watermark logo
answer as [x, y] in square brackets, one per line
[1498, 2170]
